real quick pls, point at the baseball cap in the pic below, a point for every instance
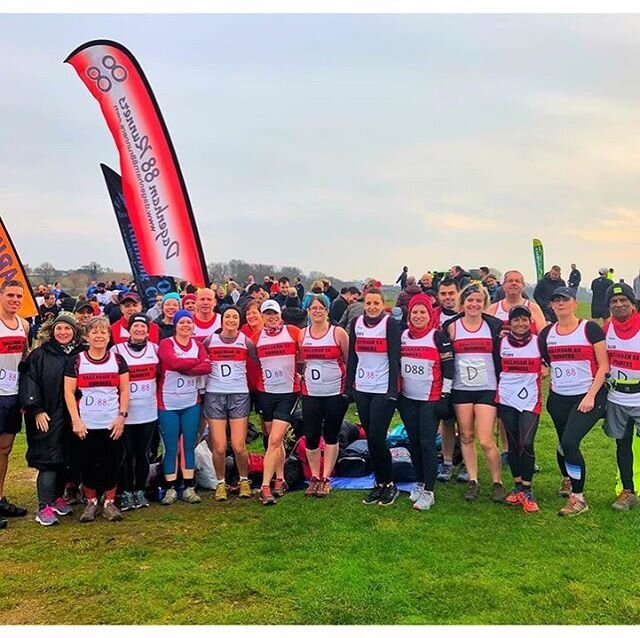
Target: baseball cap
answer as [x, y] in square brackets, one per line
[603, 271]
[519, 311]
[564, 292]
[270, 304]
[83, 305]
[130, 296]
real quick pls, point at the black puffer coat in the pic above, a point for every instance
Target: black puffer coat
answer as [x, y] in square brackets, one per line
[42, 390]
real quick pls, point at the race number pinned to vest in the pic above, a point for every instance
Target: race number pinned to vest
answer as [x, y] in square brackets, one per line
[473, 372]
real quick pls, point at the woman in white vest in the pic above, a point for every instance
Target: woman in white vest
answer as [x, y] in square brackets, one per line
[227, 399]
[182, 360]
[373, 380]
[519, 399]
[426, 374]
[474, 335]
[278, 391]
[325, 349]
[575, 350]
[96, 391]
[141, 356]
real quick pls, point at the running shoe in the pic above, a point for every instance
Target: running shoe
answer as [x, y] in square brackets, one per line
[626, 500]
[416, 492]
[244, 488]
[565, 488]
[497, 493]
[221, 492]
[473, 491]
[373, 496]
[279, 488]
[72, 495]
[514, 497]
[127, 501]
[312, 489]
[425, 502]
[10, 510]
[61, 507]
[574, 506]
[170, 497]
[90, 511]
[324, 488]
[463, 475]
[189, 496]
[111, 512]
[140, 500]
[3, 523]
[266, 497]
[529, 504]
[46, 516]
[445, 472]
[537, 468]
[388, 495]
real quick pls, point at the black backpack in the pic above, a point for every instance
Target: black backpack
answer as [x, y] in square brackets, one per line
[354, 460]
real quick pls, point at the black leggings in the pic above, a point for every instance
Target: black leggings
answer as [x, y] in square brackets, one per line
[521, 428]
[50, 486]
[100, 460]
[421, 423]
[137, 442]
[624, 456]
[572, 426]
[323, 416]
[376, 412]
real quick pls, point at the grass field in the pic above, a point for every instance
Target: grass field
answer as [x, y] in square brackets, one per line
[333, 561]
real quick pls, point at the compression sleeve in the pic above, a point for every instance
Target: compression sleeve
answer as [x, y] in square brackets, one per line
[542, 343]
[595, 334]
[352, 361]
[443, 343]
[393, 351]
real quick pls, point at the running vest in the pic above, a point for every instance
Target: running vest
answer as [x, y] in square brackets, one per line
[473, 358]
[420, 372]
[372, 372]
[13, 343]
[98, 383]
[624, 359]
[573, 361]
[178, 391]
[228, 365]
[324, 370]
[143, 369]
[203, 329]
[519, 383]
[277, 355]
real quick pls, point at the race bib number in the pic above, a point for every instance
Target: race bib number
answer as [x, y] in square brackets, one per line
[9, 379]
[473, 372]
[366, 376]
[274, 377]
[184, 385]
[314, 374]
[94, 405]
[140, 390]
[414, 370]
[568, 373]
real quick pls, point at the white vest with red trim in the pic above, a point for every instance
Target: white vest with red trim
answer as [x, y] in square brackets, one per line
[420, 372]
[202, 330]
[372, 372]
[228, 365]
[179, 391]
[573, 361]
[624, 359]
[324, 370]
[98, 383]
[473, 358]
[519, 383]
[13, 343]
[143, 370]
[277, 355]
[503, 314]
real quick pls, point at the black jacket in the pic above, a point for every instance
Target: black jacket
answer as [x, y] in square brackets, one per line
[599, 308]
[42, 390]
[543, 293]
[166, 329]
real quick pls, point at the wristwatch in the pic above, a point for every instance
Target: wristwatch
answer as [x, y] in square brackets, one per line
[124, 414]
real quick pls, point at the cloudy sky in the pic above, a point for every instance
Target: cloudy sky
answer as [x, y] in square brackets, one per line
[347, 144]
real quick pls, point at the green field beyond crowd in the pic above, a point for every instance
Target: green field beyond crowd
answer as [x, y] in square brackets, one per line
[333, 561]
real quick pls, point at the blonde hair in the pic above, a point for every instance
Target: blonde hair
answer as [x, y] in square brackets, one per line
[469, 289]
[98, 322]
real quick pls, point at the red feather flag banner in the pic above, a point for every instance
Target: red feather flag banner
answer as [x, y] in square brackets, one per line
[153, 186]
